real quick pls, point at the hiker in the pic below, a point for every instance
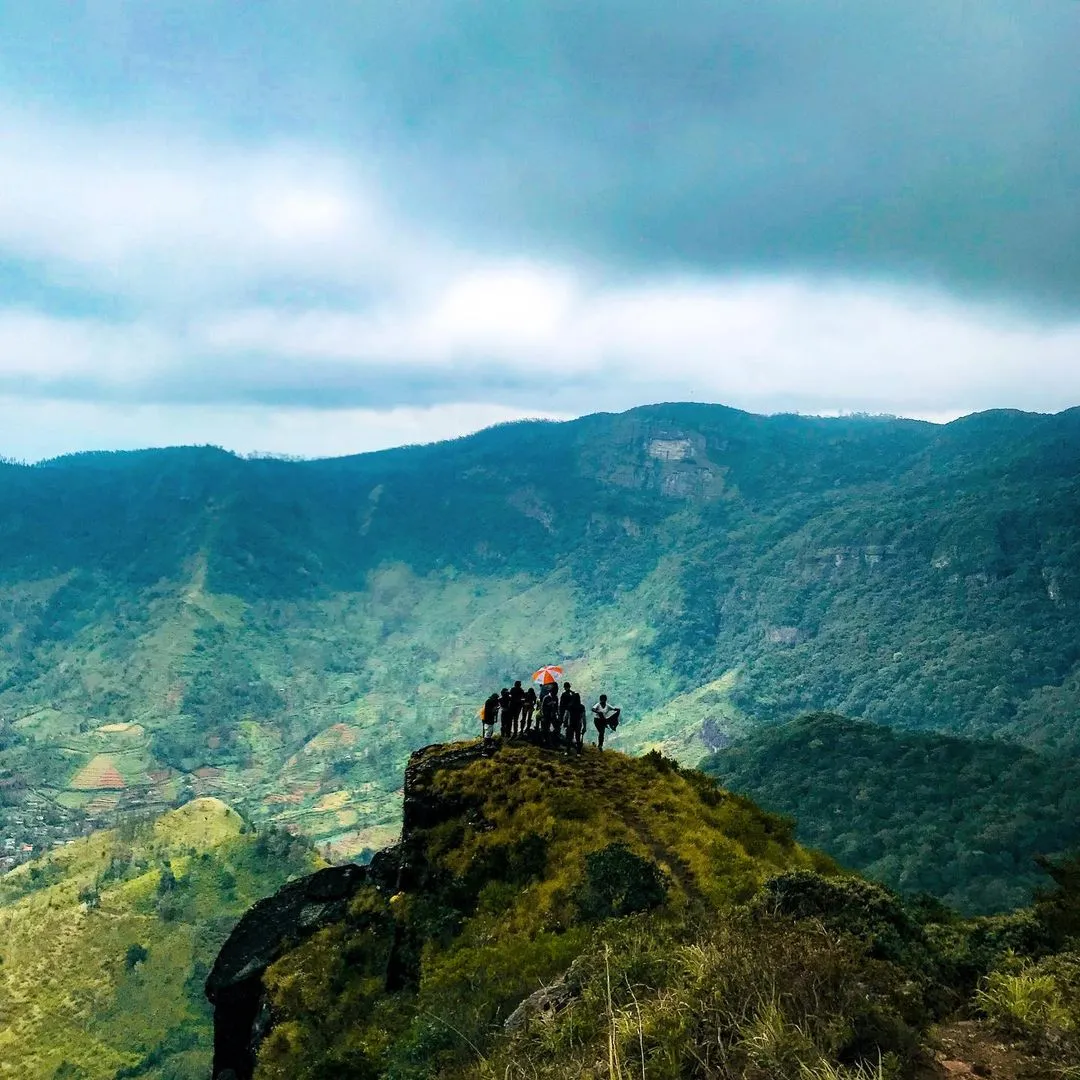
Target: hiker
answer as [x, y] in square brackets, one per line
[604, 716]
[491, 710]
[528, 706]
[566, 709]
[579, 708]
[549, 718]
[517, 696]
[575, 726]
[505, 716]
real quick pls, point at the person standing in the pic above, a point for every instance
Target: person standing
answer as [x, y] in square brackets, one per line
[491, 709]
[604, 716]
[528, 705]
[505, 716]
[577, 738]
[517, 698]
[549, 718]
[566, 709]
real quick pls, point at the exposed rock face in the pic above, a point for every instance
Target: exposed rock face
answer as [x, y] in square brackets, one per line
[277, 924]
[548, 1000]
[273, 925]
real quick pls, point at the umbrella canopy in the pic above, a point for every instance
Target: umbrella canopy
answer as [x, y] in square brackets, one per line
[548, 674]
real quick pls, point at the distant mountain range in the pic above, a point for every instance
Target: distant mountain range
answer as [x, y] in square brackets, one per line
[282, 634]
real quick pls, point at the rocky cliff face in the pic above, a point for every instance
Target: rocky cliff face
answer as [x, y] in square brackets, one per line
[242, 1013]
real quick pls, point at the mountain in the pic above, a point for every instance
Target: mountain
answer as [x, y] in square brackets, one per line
[105, 943]
[962, 819]
[282, 634]
[547, 915]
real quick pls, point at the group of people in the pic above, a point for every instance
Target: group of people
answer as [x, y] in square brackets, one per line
[557, 719]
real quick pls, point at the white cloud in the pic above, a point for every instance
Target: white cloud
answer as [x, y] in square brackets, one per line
[762, 343]
[35, 346]
[188, 238]
[174, 219]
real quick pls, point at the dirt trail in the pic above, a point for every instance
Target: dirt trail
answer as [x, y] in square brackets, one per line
[967, 1049]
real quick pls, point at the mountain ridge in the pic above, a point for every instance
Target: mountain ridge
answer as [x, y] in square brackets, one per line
[709, 568]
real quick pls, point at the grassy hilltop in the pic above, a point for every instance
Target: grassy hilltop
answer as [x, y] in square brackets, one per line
[282, 634]
[601, 916]
[105, 943]
[513, 861]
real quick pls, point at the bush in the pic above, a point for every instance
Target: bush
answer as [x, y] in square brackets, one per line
[135, 955]
[1037, 1003]
[618, 882]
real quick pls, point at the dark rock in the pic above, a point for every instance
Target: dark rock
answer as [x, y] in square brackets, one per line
[544, 1003]
[293, 913]
[263, 935]
[277, 924]
[713, 736]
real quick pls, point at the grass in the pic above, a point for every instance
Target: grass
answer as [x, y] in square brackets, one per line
[68, 920]
[502, 909]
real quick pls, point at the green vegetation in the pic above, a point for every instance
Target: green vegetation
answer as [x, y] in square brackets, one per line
[1037, 1003]
[521, 854]
[610, 917]
[105, 943]
[963, 819]
[284, 633]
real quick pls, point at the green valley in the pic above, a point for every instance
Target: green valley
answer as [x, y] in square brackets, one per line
[282, 634]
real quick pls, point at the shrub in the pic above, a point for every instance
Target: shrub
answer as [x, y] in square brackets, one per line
[135, 955]
[618, 882]
[1038, 1004]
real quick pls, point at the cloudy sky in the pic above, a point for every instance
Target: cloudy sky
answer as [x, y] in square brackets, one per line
[322, 227]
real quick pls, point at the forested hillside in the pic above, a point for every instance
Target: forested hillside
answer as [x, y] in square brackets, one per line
[283, 633]
[963, 819]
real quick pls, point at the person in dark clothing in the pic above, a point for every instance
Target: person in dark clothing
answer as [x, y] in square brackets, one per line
[528, 705]
[604, 716]
[491, 711]
[562, 714]
[566, 702]
[505, 716]
[579, 722]
[575, 722]
[549, 718]
[517, 696]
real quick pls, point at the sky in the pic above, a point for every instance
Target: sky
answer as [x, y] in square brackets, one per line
[327, 227]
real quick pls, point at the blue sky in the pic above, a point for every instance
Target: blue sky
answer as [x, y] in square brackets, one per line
[327, 227]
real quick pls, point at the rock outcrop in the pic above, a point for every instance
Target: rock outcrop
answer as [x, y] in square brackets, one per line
[270, 928]
[510, 854]
[277, 924]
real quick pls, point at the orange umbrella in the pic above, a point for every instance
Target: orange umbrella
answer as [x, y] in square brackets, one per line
[546, 675]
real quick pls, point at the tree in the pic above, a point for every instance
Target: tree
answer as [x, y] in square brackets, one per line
[136, 954]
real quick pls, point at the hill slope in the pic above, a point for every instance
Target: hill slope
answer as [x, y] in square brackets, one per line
[602, 916]
[509, 858]
[281, 634]
[105, 943]
[962, 819]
